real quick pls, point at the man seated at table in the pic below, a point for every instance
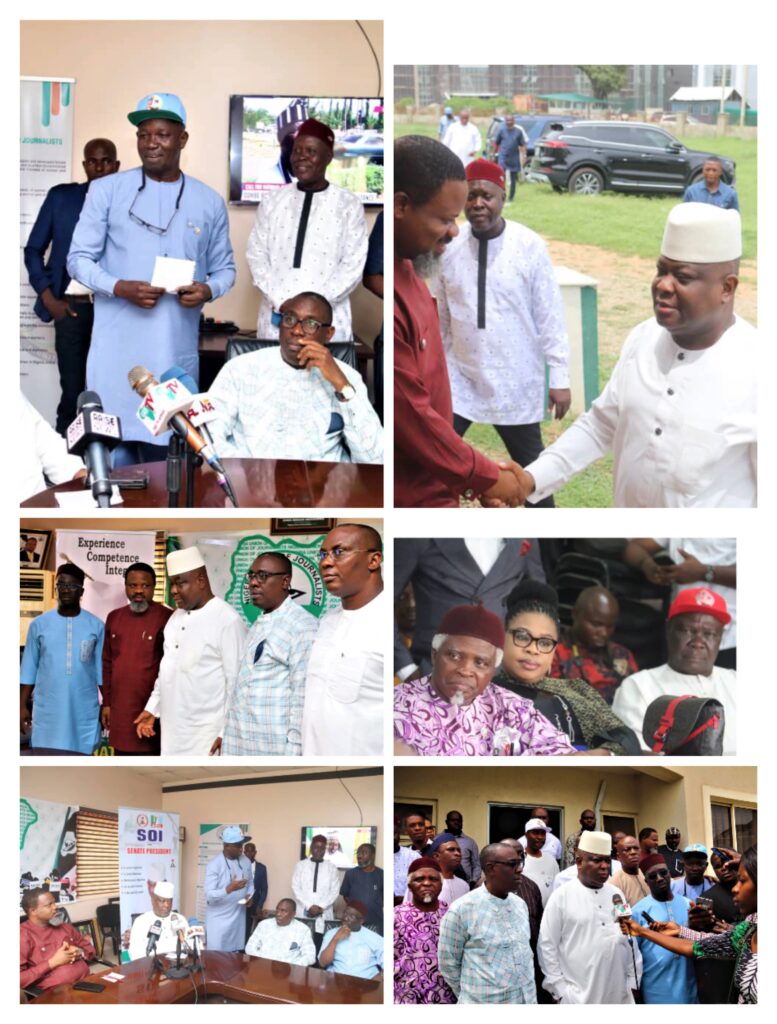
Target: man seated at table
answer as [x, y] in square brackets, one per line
[161, 911]
[296, 401]
[283, 938]
[50, 953]
[351, 948]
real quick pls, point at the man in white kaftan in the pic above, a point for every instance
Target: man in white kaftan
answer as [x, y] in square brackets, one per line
[583, 954]
[169, 923]
[282, 938]
[308, 236]
[229, 886]
[462, 137]
[680, 409]
[203, 640]
[316, 885]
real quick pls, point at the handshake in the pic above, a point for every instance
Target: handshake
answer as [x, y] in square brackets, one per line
[511, 489]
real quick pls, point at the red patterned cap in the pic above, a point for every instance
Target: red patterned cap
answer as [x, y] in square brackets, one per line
[700, 599]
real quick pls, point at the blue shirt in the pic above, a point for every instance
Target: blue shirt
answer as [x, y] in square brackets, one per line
[725, 197]
[681, 887]
[361, 954]
[666, 977]
[510, 141]
[109, 246]
[63, 661]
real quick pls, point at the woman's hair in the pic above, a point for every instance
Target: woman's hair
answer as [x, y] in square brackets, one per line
[750, 863]
[532, 596]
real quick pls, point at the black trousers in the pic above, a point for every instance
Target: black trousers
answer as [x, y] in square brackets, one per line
[523, 442]
[513, 177]
[72, 335]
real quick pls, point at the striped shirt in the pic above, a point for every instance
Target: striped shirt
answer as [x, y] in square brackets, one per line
[484, 952]
[265, 708]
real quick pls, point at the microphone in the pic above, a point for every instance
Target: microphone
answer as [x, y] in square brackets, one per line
[153, 936]
[179, 925]
[92, 434]
[161, 410]
[194, 932]
[621, 909]
[202, 410]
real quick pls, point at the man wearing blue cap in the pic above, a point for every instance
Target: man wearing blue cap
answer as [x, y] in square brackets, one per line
[694, 882]
[128, 222]
[228, 888]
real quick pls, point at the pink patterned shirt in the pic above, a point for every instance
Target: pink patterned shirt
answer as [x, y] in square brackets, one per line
[497, 722]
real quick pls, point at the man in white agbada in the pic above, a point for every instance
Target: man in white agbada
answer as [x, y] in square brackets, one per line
[343, 711]
[539, 865]
[316, 885]
[203, 640]
[229, 886]
[694, 628]
[462, 137]
[283, 938]
[502, 321]
[169, 922]
[308, 236]
[583, 954]
[679, 412]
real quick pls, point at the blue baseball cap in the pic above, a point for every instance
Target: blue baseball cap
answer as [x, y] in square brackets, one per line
[163, 105]
[234, 834]
[696, 848]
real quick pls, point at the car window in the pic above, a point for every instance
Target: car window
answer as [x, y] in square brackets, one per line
[650, 137]
[620, 133]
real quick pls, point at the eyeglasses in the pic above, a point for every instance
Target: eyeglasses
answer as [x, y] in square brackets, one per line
[337, 552]
[262, 576]
[523, 638]
[154, 228]
[310, 326]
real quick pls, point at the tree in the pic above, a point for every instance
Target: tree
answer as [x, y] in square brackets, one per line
[605, 78]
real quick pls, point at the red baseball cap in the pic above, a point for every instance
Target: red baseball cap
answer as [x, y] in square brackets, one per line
[700, 599]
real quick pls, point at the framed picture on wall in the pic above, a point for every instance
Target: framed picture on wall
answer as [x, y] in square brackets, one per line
[283, 527]
[34, 547]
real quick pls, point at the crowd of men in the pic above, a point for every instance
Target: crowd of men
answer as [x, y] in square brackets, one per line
[530, 921]
[303, 928]
[100, 285]
[485, 666]
[678, 412]
[198, 680]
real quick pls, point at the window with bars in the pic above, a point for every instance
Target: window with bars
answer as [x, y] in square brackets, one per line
[97, 838]
[734, 825]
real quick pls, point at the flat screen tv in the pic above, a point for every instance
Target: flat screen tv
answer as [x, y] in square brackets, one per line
[342, 841]
[262, 130]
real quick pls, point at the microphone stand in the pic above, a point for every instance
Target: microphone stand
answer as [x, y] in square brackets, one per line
[174, 454]
[193, 462]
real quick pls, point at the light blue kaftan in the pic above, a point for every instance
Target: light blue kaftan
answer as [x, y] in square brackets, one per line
[63, 660]
[108, 246]
[225, 917]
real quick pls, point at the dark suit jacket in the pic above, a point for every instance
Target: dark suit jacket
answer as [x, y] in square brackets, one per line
[260, 888]
[444, 574]
[54, 227]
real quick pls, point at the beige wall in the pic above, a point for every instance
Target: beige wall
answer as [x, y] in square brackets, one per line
[115, 63]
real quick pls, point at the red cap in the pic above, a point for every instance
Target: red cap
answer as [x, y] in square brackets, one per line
[474, 620]
[486, 170]
[699, 599]
[318, 129]
[358, 905]
[650, 862]
[423, 862]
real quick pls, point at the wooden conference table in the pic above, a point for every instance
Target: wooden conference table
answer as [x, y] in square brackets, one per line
[232, 977]
[258, 483]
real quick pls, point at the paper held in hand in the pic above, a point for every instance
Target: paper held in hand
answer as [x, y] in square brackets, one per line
[172, 274]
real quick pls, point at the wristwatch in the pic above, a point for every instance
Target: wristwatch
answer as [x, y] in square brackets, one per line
[709, 574]
[346, 394]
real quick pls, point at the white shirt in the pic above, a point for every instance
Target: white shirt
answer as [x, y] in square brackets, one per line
[464, 140]
[552, 845]
[542, 870]
[166, 942]
[497, 372]
[485, 551]
[565, 876]
[325, 893]
[199, 667]
[636, 692]
[343, 711]
[270, 410]
[710, 551]
[291, 943]
[582, 952]
[40, 449]
[682, 424]
[333, 254]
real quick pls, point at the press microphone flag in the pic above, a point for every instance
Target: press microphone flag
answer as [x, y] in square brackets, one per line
[92, 435]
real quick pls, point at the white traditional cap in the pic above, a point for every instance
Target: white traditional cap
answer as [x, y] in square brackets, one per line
[164, 890]
[597, 843]
[535, 823]
[702, 233]
[184, 561]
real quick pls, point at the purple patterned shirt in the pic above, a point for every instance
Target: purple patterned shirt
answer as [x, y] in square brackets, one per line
[417, 977]
[496, 722]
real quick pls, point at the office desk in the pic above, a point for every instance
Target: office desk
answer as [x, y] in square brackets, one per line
[231, 976]
[258, 483]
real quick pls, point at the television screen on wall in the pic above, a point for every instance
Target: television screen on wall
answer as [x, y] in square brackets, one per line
[262, 130]
[342, 841]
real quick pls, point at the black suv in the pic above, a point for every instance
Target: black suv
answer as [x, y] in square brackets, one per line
[591, 156]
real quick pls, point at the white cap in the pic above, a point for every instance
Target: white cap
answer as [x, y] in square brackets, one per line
[164, 890]
[535, 823]
[184, 561]
[597, 843]
[702, 233]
